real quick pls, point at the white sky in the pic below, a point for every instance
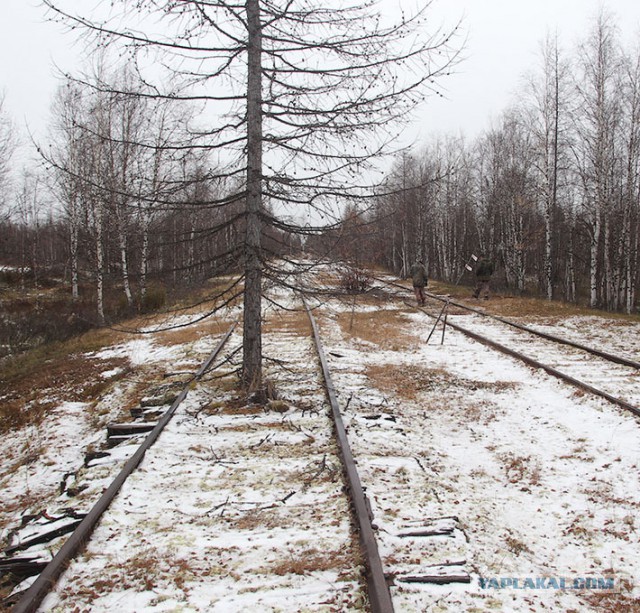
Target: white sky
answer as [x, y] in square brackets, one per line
[503, 41]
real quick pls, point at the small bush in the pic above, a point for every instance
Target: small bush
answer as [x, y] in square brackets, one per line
[24, 326]
[154, 299]
[355, 280]
[9, 276]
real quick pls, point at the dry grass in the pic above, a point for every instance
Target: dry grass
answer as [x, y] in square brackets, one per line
[516, 546]
[506, 305]
[520, 470]
[308, 561]
[408, 382]
[233, 407]
[514, 306]
[36, 381]
[382, 327]
[481, 413]
[146, 571]
[45, 381]
[288, 322]
[33, 361]
[193, 333]
[260, 519]
[578, 529]
[619, 601]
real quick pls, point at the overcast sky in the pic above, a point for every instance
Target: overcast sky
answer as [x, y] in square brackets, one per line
[503, 41]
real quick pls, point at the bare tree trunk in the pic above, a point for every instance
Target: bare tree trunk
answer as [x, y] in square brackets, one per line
[635, 261]
[548, 238]
[607, 265]
[570, 290]
[99, 220]
[144, 255]
[122, 243]
[73, 249]
[252, 332]
[593, 260]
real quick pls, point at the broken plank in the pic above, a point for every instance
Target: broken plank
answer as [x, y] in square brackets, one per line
[129, 429]
[435, 579]
[428, 532]
[90, 456]
[22, 567]
[45, 537]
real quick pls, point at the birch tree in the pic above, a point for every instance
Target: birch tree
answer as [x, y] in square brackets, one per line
[630, 231]
[68, 149]
[7, 147]
[548, 124]
[596, 121]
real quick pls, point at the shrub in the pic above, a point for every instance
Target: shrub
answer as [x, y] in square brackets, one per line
[355, 280]
[154, 298]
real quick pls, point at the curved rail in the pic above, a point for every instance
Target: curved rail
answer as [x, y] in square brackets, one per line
[378, 589]
[551, 337]
[530, 361]
[549, 369]
[34, 596]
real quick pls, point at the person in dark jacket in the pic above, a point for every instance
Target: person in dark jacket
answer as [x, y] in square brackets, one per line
[484, 271]
[419, 278]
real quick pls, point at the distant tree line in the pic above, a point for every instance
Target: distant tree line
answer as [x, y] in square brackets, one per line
[551, 192]
[122, 201]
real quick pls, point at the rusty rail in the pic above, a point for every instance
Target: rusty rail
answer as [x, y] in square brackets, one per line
[549, 369]
[378, 589]
[532, 362]
[33, 597]
[551, 337]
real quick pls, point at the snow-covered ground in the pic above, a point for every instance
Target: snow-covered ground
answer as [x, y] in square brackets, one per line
[542, 480]
[236, 509]
[242, 508]
[618, 380]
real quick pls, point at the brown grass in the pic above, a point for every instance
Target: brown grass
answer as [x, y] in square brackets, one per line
[260, 519]
[514, 306]
[290, 322]
[520, 470]
[506, 305]
[44, 382]
[516, 546]
[194, 332]
[409, 381]
[620, 601]
[309, 561]
[146, 571]
[382, 327]
[405, 382]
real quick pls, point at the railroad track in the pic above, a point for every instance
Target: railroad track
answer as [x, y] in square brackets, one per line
[442, 548]
[378, 589]
[404, 544]
[378, 576]
[81, 525]
[612, 377]
[403, 538]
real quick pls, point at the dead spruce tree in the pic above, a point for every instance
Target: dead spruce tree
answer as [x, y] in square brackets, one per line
[298, 101]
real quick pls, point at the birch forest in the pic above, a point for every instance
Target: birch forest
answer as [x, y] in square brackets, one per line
[551, 192]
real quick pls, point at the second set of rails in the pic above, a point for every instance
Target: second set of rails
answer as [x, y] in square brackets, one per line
[376, 575]
[575, 363]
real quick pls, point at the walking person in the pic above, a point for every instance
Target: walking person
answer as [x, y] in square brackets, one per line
[419, 278]
[484, 271]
